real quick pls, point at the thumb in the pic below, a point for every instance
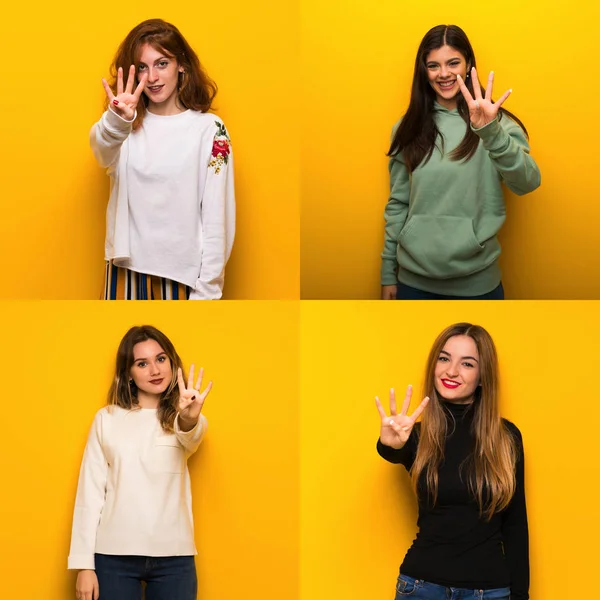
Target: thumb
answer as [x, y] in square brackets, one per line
[398, 429]
[394, 425]
[122, 109]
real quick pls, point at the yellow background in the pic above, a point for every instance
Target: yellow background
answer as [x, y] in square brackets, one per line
[54, 194]
[59, 360]
[357, 65]
[358, 513]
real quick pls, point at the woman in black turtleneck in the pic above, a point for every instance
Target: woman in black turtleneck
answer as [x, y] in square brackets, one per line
[467, 467]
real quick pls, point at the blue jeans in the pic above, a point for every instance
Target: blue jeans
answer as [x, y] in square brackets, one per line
[405, 292]
[166, 577]
[407, 587]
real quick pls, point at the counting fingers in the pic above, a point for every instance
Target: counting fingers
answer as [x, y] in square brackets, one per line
[476, 86]
[393, 401]
[199, 380]
[190, 381]
[502, 98]
[140, 86]
[130, 79]
[464, 90]
[407, 398]
[180, 382]
[108, 91]
[119, 81]
[490, 86]
[380, 409]
[419, 410]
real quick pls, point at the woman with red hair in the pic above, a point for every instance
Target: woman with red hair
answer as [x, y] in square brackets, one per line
[170, 220]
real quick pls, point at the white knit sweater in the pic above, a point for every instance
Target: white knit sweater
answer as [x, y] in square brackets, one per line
[134, 496]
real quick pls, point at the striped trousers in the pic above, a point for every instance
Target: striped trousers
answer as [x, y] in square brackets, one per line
[122, 284]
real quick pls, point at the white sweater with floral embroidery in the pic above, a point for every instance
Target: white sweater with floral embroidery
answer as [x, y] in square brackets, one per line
[134, 495]
[171, 211]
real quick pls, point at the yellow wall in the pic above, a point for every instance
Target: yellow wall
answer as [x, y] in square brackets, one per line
[58, 360]
[290, 495]
[358, 513]
[357, 63]
[53, 193]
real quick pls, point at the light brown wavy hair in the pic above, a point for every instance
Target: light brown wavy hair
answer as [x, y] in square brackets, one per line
[490, 470]
[123, 392]
[196, 90]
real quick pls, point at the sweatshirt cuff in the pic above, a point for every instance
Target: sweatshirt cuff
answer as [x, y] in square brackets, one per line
[197, 430]
[81, 561]
[492, 135]
[388, 272]
[117, 122]
[206, 291]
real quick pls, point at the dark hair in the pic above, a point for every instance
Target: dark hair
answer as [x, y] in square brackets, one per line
[123, 392]
[196, 90]
[417, 134]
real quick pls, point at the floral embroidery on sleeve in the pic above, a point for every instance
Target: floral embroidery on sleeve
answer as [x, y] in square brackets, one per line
[221, 148]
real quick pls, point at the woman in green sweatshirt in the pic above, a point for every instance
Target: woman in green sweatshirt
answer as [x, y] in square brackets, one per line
[448, 158]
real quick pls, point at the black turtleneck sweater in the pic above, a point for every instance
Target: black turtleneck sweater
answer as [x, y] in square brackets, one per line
[455, 547]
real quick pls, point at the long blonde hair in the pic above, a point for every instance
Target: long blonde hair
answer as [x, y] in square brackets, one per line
[490, 469]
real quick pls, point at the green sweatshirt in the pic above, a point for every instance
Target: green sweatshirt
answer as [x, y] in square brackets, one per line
[442, 220]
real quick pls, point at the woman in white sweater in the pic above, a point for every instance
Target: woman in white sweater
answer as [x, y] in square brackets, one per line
[133, 512]
[170, 221]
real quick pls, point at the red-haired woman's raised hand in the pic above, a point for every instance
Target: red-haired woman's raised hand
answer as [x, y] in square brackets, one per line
[481, 109]
[191, 399]
[126, 100]
[396, 429]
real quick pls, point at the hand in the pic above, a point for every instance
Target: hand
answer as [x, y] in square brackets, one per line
[125, 102]
[396, 429]
[190, 398]
[481, 110]
[388, 292]
[87, 587]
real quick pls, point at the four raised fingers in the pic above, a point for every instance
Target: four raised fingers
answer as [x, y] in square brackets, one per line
[119, 81]
[490, 85]
[504, 96]
[464, 89]
[380, 408]
[130, 83]
[183, 389]
[190, 381]
[140, 86]
[206, 391]
[420, 409]
[108, 91]
[199, 380]
[476, 86]
[130, 79]
[393, 401]
[180, 382]
[477, 90]
[406, 402]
